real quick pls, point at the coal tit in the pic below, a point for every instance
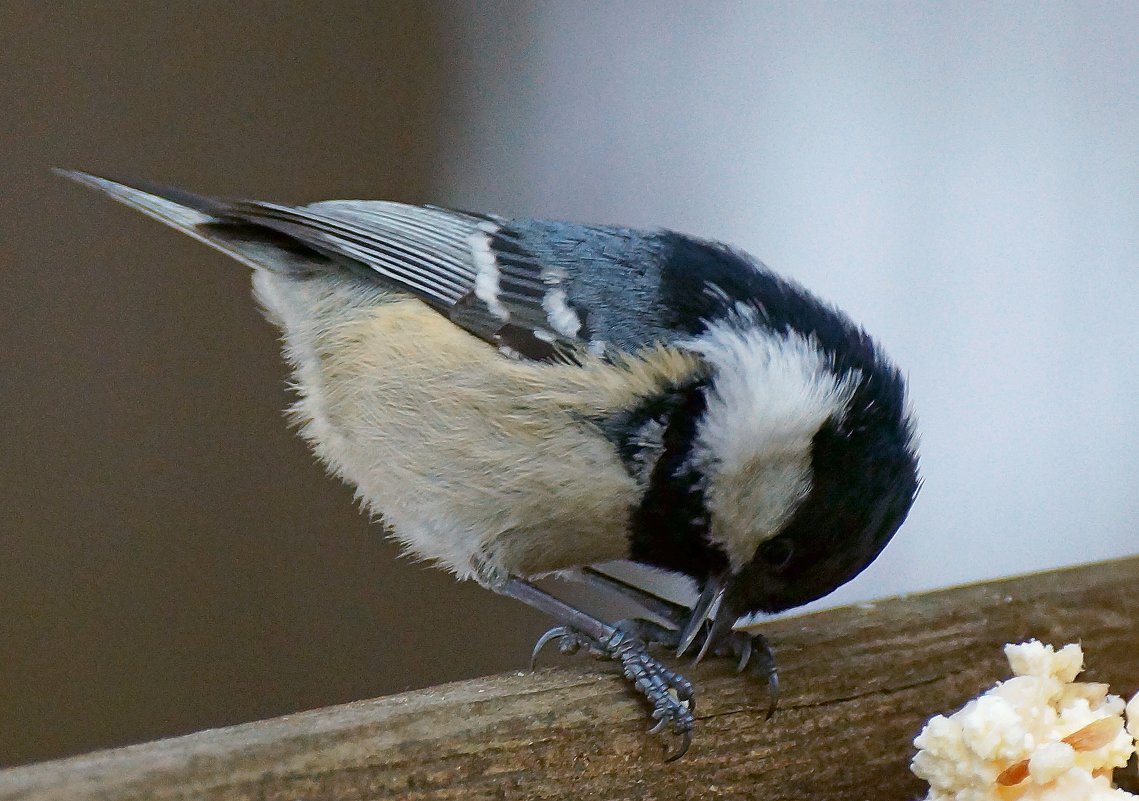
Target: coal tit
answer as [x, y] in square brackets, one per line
[521, 397]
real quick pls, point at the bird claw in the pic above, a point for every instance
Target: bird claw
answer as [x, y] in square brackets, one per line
[754, 650]
[544, 640]
[569, 642]
[671, 696]
[745, 655]
[682, 749]
[748, 650]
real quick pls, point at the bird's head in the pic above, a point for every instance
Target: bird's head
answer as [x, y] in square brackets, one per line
[785, 469]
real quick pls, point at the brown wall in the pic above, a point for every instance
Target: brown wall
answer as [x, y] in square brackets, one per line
[172, 556]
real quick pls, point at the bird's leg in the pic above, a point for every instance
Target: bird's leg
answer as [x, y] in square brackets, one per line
[669, 693]
[676, 615]
[738, 645]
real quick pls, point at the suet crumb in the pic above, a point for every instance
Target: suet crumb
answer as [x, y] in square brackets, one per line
[1040, 736]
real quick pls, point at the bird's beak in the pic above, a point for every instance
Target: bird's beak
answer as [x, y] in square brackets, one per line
[722, 623]
[716, 597]
[712, 593]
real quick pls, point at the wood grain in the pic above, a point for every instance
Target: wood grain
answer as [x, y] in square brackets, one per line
[858, 684]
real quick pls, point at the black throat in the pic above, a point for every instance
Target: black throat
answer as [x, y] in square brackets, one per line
[669, 529]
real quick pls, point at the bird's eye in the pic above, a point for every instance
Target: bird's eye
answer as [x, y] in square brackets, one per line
[777, 553]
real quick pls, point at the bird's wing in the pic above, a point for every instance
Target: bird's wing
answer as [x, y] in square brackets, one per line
[537, 289]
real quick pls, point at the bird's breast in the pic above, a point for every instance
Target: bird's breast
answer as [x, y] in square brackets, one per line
[483, 463]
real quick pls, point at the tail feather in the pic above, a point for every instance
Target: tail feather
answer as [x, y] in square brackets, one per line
[172, 206]
[205, 219]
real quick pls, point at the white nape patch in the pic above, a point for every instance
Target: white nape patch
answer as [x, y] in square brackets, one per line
[770, 394]
[486, 277]
[564, 320]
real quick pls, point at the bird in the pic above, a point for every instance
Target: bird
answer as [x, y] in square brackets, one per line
[521, 397]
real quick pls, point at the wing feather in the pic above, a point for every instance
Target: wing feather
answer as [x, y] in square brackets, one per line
[435, 264]
[537, 289]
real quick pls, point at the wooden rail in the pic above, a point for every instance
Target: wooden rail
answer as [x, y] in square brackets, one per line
[858, 683]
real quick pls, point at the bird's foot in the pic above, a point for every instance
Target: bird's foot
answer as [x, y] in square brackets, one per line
[754, 650]
[670, 695]
[746, 649]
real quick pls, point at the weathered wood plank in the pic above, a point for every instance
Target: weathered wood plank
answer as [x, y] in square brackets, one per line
[858, 684]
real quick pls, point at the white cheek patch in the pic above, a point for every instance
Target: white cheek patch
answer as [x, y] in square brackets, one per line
[750, 503]
[769, 396]
[486, 277]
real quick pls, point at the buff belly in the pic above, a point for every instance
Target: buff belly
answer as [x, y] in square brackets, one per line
[480, 462]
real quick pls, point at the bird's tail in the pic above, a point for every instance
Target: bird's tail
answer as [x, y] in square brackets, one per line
[206, 219]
